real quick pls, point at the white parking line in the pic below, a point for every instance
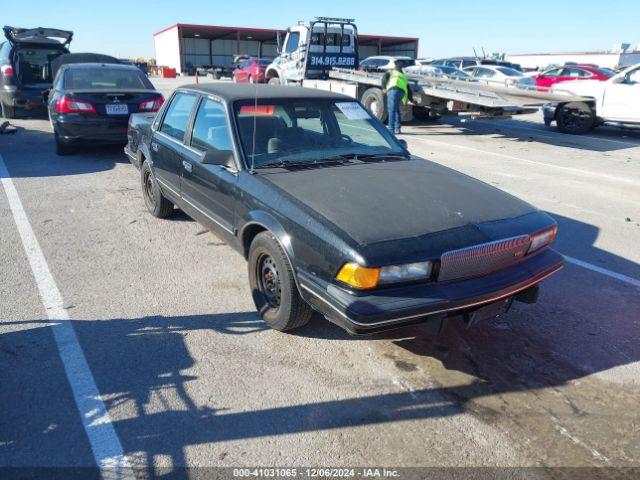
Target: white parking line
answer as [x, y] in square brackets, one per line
[106, 447]
[604, 271]
[524, 160]
[550, 133]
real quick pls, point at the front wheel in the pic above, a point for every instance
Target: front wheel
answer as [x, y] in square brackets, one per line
[274, 81]
[156, 203]
[273, 285]
[575, 118]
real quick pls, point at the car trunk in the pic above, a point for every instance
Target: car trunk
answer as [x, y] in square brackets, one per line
[35, 49]
[114, 103]
[33, 64]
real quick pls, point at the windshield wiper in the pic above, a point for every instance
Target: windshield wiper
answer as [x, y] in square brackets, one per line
[304, 163]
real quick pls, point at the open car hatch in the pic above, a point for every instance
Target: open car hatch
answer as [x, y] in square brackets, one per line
[38, 35]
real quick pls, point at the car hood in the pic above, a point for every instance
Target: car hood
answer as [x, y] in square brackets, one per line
[387, 201]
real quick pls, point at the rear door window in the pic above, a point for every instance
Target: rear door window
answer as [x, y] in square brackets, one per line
[210, 130]
[575, 72]
[177, 117]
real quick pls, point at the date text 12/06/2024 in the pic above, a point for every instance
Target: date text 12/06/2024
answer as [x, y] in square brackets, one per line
[316, 472]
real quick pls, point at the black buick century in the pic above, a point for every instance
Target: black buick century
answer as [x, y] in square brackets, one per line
[333, 214]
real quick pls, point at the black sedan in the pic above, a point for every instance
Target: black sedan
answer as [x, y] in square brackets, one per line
[332, 212]
[90, 103]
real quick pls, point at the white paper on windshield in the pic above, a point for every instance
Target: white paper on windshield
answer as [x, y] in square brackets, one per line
[353, 111]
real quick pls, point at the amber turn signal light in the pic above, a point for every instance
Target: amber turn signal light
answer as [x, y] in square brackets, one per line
[358, 277]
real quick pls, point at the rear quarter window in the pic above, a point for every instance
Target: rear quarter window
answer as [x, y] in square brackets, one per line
[177, 117]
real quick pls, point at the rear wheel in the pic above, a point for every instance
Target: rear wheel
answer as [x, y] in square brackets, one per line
[273, 285]
[374, 100]
[156, 203]
[251, 79]
[8, 111]
[575, 118]
[274, 81]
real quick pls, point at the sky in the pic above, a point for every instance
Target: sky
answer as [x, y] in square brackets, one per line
[125, 28]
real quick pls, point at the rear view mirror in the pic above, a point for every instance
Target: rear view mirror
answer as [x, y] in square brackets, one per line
[222, 158]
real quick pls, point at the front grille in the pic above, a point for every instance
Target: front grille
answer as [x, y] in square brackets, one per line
[482, 259]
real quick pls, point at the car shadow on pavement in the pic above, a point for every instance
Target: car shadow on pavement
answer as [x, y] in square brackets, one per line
[601, 140]
[30, 153]
[584, 325]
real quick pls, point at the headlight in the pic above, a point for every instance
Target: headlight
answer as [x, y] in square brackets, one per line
[363, 278]
[543, 238]
[405, 273]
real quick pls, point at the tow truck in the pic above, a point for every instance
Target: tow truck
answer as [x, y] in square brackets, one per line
[323, 54]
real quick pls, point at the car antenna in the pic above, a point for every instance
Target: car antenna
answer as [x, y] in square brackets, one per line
[255, 124]
[475, 54]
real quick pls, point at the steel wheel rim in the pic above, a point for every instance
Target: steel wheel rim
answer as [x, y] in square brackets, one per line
[148, 190]
[269, 280]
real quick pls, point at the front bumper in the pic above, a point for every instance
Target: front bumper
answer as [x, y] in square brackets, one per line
[389, 308]
[74, 128]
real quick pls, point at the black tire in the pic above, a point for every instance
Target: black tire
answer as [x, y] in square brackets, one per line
[62, 148]
[376, 102]
[8, 111]
[425, 114]
[274, 81]
[156, 203]
[575, 118]
[273, 286]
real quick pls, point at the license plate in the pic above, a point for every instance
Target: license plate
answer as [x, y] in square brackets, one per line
[490, 311]
[117, 109]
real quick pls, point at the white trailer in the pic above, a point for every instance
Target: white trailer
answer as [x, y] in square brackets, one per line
[323, 54]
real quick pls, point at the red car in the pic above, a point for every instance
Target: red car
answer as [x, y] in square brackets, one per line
[251, 70]
[572, 72]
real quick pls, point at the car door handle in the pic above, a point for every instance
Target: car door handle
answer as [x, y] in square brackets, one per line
[187, 166]
[154, 146]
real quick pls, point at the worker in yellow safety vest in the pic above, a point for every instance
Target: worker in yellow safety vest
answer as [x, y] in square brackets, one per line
[395, 84]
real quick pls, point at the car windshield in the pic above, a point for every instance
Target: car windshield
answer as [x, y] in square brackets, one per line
[509, 72]
[105, 77]
[292, 131]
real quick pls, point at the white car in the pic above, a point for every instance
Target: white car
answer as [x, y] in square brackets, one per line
[385, 62]
[613, 101]
[499, 75]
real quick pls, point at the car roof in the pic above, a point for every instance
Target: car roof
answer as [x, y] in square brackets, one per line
[120, 66]
[230, 92]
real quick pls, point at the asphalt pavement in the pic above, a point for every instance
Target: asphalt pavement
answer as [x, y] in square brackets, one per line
[126, 336]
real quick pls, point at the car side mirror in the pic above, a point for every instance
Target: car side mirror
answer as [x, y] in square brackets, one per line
[403, 143]
[222, 158]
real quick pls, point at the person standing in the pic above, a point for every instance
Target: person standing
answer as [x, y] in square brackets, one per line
[395, 84]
